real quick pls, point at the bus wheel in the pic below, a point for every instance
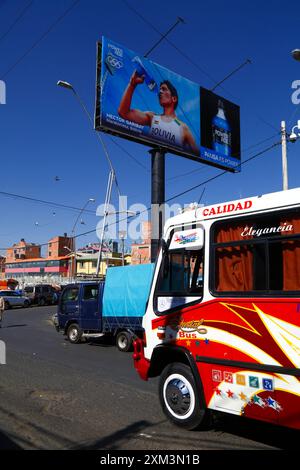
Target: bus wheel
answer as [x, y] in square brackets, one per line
[124, 341]
[180, 397]
[74, 333]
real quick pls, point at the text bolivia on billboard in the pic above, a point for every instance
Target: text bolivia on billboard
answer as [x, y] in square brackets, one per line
[143, 101]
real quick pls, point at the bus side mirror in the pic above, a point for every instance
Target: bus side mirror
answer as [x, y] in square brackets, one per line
[164, 246]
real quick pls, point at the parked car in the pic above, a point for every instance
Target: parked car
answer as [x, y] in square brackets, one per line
[14, 299]
[42, 294]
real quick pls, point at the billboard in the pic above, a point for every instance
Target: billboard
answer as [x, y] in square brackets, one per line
[142, 101]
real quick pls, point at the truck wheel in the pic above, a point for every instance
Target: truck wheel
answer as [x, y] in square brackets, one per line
[74, 333]
[124, 341]
[180, 398]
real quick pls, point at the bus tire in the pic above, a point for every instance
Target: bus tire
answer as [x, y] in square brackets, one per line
[74, 333]
[180, 398]
[124, 341]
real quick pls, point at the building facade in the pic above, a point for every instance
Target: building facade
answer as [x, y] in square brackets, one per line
[2, 267]
[141, 252]
[22, 251]
[60, 246]
[86, 264]
[38, 269]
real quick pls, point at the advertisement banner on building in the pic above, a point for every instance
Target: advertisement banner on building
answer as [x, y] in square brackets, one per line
[220, 130]
[142, 101]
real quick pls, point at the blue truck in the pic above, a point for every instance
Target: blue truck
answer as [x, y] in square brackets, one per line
[91, 309]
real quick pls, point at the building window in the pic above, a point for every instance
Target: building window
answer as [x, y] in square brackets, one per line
[260, 254]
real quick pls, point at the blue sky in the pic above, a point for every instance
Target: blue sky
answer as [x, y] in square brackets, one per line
[45, 134]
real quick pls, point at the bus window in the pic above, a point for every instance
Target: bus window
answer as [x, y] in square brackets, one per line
[260, 254]
[181, 273]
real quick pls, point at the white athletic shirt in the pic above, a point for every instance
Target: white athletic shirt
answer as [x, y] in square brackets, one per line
[170, 132]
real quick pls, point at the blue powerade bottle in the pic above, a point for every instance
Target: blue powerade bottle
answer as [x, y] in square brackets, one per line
[221, 132]
[150, 82]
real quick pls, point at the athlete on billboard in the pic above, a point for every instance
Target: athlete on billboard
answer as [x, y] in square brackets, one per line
[165, 127]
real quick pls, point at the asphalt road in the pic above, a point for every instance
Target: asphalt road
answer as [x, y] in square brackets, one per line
[55, 395]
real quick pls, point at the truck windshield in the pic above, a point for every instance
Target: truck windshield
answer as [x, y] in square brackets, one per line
[70, 295]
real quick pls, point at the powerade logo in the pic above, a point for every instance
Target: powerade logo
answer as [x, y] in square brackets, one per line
[184, 239]
[2, 92]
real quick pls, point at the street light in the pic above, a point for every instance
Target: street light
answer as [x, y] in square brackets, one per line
[296, 54]
[106, 213]
[291, 138]
[293, 135]
[122, 235]
[111, 176]
[91, 199]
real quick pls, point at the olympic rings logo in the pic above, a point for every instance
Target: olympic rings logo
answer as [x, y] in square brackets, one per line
[116, 63]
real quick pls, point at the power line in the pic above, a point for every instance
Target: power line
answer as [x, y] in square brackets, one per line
[203, 167]
[191, 61]
[262, 152]
[223, 172]
[19, 17]
[41, 201]
[129, 154]
[175, 196]
[26, 53]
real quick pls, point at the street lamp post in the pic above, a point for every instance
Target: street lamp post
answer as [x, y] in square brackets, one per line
[296, 54]
[111, 177]
[130, 213]
[122, 235]
[284, 156]
[284, 139]
[91, 199]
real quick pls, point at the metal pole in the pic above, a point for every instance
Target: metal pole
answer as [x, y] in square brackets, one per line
[111, 178]
[157, 199]
[284, 156]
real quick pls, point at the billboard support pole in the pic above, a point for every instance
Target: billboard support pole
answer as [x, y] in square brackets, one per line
[157, 198]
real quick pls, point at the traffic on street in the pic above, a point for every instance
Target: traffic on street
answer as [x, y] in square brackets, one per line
[59, 395]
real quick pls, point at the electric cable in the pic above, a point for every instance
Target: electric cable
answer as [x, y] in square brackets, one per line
[191, 61]
[33, 46]
[19, 17]
[262, 152]
[41, 201]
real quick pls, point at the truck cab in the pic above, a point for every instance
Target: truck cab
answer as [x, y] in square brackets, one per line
[79, 312]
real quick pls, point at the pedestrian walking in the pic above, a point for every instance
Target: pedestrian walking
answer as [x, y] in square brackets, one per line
[2, 308]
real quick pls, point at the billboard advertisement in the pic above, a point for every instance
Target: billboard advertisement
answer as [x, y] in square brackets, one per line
[142, 101]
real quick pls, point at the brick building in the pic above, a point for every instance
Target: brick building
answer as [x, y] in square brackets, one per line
[2, 267]
[60, 246]
[141, 252]
[23, 250]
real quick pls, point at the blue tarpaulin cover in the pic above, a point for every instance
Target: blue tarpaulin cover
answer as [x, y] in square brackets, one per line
[126, 290]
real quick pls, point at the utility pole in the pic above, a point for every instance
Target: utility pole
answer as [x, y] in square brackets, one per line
[157, 199]
[284, 156]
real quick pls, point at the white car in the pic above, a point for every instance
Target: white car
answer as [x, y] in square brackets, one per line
[13, 299]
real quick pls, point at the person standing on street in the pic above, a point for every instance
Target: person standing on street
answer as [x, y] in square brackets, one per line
[2, 308]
